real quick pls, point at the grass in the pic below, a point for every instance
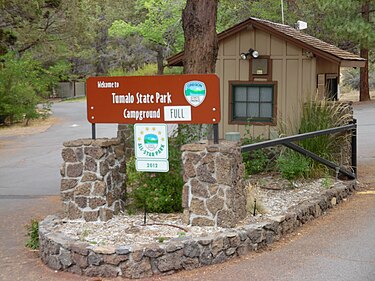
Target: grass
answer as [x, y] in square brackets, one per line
[32, 241]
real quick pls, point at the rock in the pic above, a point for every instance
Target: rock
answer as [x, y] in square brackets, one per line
[170, 261]
[88, 176]
[204, 174]
[68, 184]
[69, 155]
[74, 170]
[94, 259]
[90, 164]
[191, 249]
[104, 270]
[197, 207]
[99, 189]
[137, 269]
[94, 152]
[202, 221]
[214, 204]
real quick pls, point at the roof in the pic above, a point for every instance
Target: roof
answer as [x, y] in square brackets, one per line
[290, 34]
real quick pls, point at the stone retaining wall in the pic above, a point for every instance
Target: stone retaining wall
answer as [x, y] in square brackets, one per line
[214, 193]
[134, 261]
[93, 177]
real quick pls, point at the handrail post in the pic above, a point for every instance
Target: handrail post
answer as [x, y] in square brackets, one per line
[354, 147]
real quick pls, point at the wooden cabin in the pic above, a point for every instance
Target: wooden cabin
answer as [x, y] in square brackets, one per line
[268, 70]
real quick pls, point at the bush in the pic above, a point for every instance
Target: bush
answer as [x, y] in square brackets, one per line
[259, 160]
[293, 165]
[320, 115]
[161, 192]
[24, 83]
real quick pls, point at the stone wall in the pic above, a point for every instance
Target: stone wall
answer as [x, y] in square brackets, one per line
[138, 261]
[93, 177]
[214, 193]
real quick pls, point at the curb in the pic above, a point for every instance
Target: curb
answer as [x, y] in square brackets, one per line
[133, 261]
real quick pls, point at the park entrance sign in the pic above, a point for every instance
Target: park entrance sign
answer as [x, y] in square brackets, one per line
[189, 99]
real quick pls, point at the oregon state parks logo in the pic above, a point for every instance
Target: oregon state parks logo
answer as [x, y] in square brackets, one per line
[195, 92]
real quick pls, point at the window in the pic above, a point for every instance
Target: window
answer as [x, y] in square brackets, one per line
[253, 102]
[260, 69]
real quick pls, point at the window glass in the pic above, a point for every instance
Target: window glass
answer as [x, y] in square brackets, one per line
[253, 110]
[240, 94]
[266, 94]
[253, 101]
[265, 110]
[253, 94]
[240, 110]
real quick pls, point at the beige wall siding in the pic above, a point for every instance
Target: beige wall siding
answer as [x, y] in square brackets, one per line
[295, 76]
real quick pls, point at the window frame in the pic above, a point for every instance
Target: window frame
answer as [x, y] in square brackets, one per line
[268, 76]
[233, 84]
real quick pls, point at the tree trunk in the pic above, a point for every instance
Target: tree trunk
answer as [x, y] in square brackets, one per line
[201, 46]
[160, 59]
[364, 92]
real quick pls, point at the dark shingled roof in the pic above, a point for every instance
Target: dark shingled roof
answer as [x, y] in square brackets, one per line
[290, 34]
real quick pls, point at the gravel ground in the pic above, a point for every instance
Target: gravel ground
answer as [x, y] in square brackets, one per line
[273, 195]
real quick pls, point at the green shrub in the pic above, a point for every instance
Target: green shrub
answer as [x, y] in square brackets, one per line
[24, 83]
[259, 160]
[161, 192]
[320, 115]
[32, 241]
[293, 165]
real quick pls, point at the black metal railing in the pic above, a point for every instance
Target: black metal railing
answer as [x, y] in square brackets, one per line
[288, 142]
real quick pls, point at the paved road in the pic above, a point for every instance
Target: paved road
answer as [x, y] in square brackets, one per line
[29, 187]
[339, 246]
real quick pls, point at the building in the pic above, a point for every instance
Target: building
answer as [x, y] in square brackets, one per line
[268, 70]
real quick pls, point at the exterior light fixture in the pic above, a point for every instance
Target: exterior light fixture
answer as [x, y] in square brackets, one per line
[251, 52]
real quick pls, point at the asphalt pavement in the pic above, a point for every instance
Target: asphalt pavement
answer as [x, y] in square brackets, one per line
[338, 246]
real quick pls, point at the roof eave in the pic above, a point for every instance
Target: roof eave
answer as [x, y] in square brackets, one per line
[353, 63]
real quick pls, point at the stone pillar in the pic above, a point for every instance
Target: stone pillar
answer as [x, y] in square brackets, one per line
[214, 193]
[93, 177]
[126, 133]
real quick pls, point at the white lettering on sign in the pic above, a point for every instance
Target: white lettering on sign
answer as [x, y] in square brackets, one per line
[141, 114]
[122, 98]
[102, 84]
[177, 113]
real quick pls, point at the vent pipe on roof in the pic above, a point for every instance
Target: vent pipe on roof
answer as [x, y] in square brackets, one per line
[300, 25]
[282, 11]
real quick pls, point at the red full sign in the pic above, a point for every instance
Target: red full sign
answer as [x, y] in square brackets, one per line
[193, 99]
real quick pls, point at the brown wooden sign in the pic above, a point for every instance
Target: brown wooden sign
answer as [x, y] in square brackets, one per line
[189, 98]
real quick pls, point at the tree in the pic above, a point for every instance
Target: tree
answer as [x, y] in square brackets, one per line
[23, 84]
[348, 24]
[160, 28]
[364, 91]
[201, 45]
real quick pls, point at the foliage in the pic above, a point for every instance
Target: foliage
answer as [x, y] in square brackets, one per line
[320, 115]
[338, 22]
[231, 12]
[351, 78]
[23, 84]
[147, 69]
[317, 115]
[259, 160]
[161, 192]
[293, 165]
[32, 241]
[160, 29]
